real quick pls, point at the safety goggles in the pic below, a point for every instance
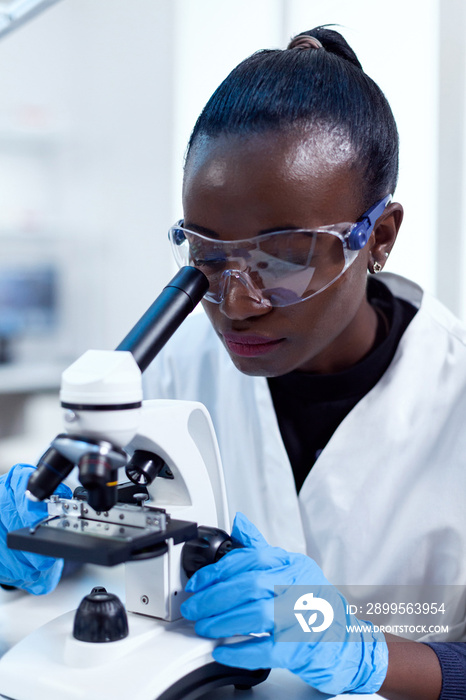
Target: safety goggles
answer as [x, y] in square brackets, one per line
[279, 268]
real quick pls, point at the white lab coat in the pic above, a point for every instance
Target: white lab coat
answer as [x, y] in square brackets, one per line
[385, 503]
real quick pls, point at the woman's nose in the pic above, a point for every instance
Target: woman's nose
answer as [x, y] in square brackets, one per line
[240, 297]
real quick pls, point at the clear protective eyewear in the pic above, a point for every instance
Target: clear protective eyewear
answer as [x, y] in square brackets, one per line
[279, 268]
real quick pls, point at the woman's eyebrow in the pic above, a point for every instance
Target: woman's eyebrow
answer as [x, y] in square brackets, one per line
[212, 234]
[276, 229]
[200, 229]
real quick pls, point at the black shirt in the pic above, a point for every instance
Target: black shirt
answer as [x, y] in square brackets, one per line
[310, 407]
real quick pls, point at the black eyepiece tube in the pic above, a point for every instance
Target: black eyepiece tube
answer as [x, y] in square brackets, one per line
[163, 317]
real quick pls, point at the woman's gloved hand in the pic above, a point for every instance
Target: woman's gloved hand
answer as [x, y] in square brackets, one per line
[32, 572]
[237, 596]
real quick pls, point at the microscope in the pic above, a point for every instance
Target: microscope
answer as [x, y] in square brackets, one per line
[152, 497]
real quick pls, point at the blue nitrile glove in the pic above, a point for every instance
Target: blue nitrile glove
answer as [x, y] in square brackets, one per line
[32, 572]
[237, 596]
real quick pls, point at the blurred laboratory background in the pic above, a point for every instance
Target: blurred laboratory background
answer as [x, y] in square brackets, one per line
[97, 100]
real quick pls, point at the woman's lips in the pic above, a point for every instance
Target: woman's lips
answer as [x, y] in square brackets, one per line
[249, 345]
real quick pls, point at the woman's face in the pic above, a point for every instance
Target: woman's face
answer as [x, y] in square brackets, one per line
[236, 187]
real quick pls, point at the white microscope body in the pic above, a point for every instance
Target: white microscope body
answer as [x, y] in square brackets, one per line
[106, 424]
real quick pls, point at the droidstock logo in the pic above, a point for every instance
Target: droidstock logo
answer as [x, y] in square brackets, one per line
[313, 605]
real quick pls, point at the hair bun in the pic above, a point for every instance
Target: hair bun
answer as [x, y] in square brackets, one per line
[304, 41]
[330, 40]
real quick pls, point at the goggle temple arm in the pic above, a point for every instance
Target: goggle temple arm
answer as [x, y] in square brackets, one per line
[362, 230]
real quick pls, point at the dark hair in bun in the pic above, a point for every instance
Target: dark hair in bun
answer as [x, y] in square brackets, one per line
[331, 40]
[317, 80]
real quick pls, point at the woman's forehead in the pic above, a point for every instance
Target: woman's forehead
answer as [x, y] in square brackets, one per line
[320, 142]
[276, 170]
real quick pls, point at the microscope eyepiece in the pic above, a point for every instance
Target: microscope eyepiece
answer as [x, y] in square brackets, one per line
[163, 317]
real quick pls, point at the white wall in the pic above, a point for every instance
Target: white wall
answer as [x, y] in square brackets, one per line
[97, 77]
[450, 226]
[212, 38]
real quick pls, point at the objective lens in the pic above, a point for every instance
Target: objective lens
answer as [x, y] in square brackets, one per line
[100, 478]
[51, 470]
[143, 467]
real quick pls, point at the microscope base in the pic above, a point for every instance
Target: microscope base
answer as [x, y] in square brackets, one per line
[157, 661]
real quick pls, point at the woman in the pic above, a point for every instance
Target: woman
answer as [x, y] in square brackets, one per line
[339, 440]
[338, 401]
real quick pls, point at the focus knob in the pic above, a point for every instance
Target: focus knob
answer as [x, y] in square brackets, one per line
[101, 617]
[208, 547]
